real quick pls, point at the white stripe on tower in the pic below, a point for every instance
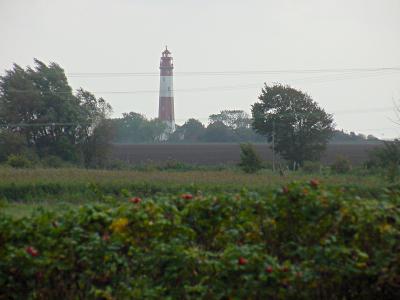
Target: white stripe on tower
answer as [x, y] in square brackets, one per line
[166, 99]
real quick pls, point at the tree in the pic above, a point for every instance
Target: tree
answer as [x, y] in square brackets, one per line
[301, 128]
[218, 132]
[38, 105]
[190, 132]
[239, 123]
[96, 131]
[136, 128]
[386, 158]
[232, 118]
[250, 161]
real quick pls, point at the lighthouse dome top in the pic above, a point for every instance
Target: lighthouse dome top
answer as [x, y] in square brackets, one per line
[166, 52]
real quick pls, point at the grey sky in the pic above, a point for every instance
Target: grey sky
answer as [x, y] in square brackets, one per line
[92, 36]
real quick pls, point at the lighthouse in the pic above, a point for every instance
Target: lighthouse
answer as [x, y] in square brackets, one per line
[166, 99]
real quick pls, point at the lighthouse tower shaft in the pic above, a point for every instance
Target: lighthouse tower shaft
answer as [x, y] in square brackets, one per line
[166, 99]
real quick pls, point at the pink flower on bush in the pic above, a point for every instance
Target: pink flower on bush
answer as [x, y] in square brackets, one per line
[314, 183]
[32, 251]
[105, 237]
[135, 200]
[242, 261]
[187, 196]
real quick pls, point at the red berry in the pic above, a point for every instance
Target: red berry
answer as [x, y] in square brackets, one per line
[105, 237]
[32, 251]
[187, 196]
[269, 269]
[285, 269]
[242, 261]
[285, 190]
[314, 183]
[135, 200]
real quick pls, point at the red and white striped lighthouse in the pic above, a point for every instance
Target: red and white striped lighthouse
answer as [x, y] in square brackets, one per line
[166, 100]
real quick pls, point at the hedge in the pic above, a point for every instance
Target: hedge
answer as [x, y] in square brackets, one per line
[303, 241]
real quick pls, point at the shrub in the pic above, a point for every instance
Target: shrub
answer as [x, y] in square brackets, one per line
[250, 161]
[18, 161]
[341, 165]
[386, 158]
[302, 242]
[53, 161]
[172, 164]
[311, 167]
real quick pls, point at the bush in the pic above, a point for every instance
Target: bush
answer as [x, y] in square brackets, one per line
[302, 242]
[18, 161]
[53, 161]
[250, 161]
[311, 167]
[341, 165]
[386, 158]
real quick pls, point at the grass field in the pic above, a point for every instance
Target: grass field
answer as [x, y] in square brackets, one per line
[227, 153]
[24, 190]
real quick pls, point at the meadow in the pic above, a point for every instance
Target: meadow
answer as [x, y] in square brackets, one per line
[22, 190]
[197, 234]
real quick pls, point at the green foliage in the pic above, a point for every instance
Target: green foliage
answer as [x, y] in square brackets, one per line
[300, 127]
[226, 127]
[232, 118]
[311, 167]
[340, 136]
[341, 165]
[218, 132]
[302, 242]
[192, 131]
[250, 161]
[39, 111]
[11, 143]
[386, 158]
[18, 161]
[71, 184]
[135, 128]
[53, 161]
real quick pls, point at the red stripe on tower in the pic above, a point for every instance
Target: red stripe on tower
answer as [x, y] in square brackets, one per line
[166, 100]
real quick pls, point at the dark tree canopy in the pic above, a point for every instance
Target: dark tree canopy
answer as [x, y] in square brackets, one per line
[39, 110]
[234, 119]
[136, 128]
[190, 132]
[218, 132]
[302, 129]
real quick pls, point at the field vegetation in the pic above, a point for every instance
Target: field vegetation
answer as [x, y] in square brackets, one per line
[23, 189]
[301, 241]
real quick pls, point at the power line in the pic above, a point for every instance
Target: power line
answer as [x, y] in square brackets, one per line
[315, 79]
[235, 72]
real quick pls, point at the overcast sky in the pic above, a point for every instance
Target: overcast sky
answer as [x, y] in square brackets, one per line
[127, 36]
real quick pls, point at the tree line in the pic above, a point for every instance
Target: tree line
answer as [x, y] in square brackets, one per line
[228, 126]
[233, 126]
[42, 118]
